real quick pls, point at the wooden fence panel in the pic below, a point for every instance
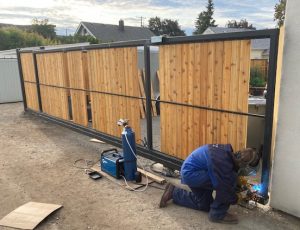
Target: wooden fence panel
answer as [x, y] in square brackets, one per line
[29, 75]
[77, 80]
[212, 74]
[114, 70]
[52, 68]
[261, 64]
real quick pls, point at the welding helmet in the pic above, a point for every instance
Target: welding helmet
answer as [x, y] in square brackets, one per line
[247, 161]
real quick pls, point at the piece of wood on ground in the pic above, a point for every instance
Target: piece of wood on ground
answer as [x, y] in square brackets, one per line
[29, 215]
[152, 176]
[97, 141]
[121, 181]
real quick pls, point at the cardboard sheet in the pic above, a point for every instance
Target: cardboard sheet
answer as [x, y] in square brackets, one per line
[29, 215]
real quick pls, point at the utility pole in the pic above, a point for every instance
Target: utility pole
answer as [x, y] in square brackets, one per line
[142, 21]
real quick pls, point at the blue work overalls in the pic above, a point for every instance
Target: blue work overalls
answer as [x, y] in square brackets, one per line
[208, 168]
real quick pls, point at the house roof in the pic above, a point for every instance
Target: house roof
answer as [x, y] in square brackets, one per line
[256, 44]
[109, 33]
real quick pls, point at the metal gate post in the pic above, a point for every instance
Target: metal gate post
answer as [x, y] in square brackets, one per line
[266, 157]
[37, 82]
[148, 95]
[21, 79]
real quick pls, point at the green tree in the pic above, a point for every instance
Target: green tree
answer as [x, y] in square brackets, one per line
[155, 25]
[279, 14]
[205, 19]
[11, 38]
[42, 28]
[243, 23]
[165, 27]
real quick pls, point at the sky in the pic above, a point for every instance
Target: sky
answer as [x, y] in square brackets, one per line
[66, 14]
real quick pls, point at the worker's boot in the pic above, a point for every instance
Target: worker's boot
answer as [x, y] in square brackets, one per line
[168, 195]
[228, 219]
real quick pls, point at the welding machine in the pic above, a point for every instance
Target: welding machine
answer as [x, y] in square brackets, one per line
[112, 162]
[124, 163]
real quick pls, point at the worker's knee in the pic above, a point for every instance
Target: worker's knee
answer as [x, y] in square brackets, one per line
[195, 200]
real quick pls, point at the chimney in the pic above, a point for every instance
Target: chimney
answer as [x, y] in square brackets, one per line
[121, 25]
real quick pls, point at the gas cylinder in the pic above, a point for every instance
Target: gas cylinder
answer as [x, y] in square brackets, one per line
[128, 144]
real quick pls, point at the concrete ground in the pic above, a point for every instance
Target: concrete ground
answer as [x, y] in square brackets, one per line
[36, 164]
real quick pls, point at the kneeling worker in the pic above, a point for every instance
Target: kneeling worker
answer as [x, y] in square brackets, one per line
[208, 168]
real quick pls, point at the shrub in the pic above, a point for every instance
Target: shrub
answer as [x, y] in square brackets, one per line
[11, 38]
[257, 77]
[76, 39]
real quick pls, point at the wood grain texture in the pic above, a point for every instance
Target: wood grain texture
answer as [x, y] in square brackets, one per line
[114, 70]
[212, 74]
[77, 79]
[53, 70]
[142, 94]
[29, 75]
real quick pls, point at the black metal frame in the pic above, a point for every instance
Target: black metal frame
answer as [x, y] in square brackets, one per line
[36, 72]
[148, 151]
[21, 79]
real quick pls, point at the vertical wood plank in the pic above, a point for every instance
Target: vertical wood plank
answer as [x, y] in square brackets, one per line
[77, 80]
[195, 81]
[190, 96]
[226, 90]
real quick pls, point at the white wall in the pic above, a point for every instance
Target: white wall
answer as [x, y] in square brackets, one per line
[10, 86]
[257, 54]
[285, 190]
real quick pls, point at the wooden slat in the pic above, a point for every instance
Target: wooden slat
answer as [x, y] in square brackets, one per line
[197, 82]
[217, 91]
[233, 94]
[209, 92]
[226, 90]
[162, 89]
[203, 114]
[173, 113]
[165, 60]
[277, 87]
[244, 77]
[181, 82]
[153, 107]
[31, 96]
[142, 94]
[77, 79]
[154, 112]
[29, 75]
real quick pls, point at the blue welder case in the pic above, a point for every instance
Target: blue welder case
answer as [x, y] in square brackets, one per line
[112, 162]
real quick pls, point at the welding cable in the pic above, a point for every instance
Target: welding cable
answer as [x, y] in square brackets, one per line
[147, 183]
[88, 164]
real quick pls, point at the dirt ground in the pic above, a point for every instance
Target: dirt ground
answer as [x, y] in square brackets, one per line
[36, 164]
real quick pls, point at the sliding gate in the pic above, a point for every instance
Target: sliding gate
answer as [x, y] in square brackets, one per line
[204, 87]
